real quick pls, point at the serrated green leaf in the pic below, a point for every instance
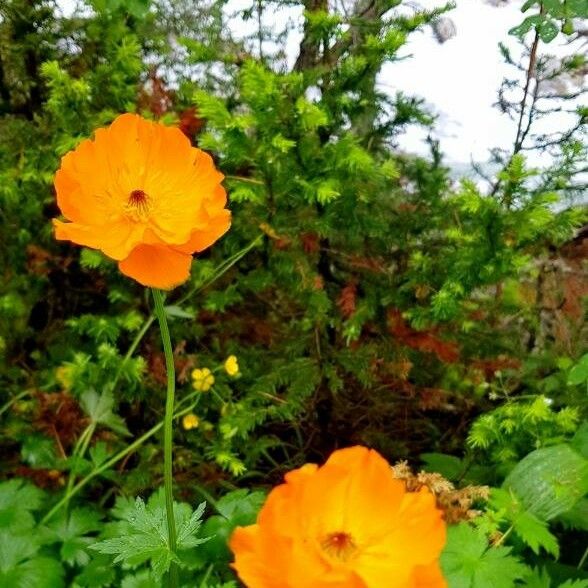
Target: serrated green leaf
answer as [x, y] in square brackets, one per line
[99, 408]
[72, 531]
[96, 574]
[533, 531]
[537, 579]
[21, 567]
[143, 579]
[469, 562]
[146, 537]
[18, 499]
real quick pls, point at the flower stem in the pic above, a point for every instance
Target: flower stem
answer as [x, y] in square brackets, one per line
[116, 458]
[168, 432]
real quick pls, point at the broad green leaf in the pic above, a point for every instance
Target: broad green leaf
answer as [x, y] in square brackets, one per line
[549, 481]
[448, 466]
[577, 516]
[580, 440]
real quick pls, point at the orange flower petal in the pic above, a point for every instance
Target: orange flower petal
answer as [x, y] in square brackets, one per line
[156, 266]
[141, 183]
[116, 240]
[429, 576]
[201, 239]
[347, 524]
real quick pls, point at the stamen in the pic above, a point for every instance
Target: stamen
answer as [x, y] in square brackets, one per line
[138, 205]
[339, 545]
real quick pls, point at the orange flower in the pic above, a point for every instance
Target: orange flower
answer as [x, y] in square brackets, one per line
[347, 524]
[144, 196]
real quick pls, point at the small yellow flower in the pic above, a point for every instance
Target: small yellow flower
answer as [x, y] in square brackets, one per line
[190, 421]
[202, 379]
[231, 365]
[63, 376]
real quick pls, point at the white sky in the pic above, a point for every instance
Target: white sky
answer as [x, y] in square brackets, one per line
[458, 79]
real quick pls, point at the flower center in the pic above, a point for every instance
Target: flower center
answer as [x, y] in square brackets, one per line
[138, 205]
[339, 545]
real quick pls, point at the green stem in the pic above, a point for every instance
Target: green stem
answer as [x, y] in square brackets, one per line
[78, 453]
[168, 431]
[114, 460]
[132, 349]
[14, 400]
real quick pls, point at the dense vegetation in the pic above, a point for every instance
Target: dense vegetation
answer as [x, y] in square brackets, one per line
[369, 296]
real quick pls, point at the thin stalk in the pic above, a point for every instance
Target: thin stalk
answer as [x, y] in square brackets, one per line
[168, 431]
[78, 453]
[14, 400]
[132, 349]
[114, 460]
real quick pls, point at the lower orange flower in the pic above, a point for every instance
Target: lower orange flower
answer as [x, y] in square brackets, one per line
[347, 524]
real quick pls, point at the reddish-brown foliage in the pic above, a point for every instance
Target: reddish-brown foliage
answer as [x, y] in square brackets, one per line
[59, 416]
[425, 341]
[190, 123]
[347, 300]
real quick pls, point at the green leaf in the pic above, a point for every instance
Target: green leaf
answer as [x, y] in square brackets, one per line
[99, 409]
[237, 508]
[528, 5]
[173, 311]
[17, 500]
[522, 29]
[548, 30]
[580, 440]
[72, 532]
[537, 579]
[147, 536]
[21, 567]
[533, 531]
[448, 466]
[579, 373]
[143, 579]
[98, 573]
[549, 481]
[468, 562]
[577, 516]
[38, 451]
[91, 259]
